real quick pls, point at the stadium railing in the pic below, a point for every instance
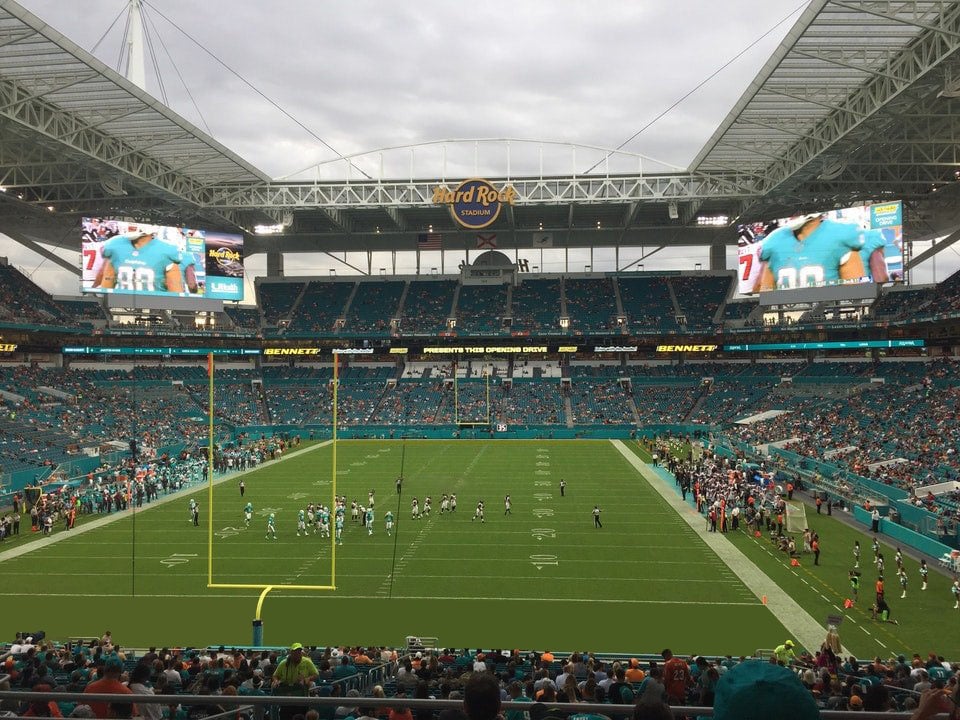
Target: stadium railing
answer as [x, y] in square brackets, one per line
[233, 703]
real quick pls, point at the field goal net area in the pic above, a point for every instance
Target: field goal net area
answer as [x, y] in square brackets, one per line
[796, 517]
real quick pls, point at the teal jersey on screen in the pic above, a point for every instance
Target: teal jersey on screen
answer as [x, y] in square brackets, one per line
[143, 269]
[248, 508]
[816, 260]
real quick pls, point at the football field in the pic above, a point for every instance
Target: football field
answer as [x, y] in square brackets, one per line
[541, 576]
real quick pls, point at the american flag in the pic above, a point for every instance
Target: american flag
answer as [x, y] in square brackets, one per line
[428, 241]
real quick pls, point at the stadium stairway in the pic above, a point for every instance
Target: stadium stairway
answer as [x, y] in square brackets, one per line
[698, 401]
[346, 306]
[568, 410]
[402, 302]
[617, 299]
[633, 406]
[677, 311]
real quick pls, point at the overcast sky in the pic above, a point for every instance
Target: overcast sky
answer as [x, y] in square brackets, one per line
[364, 74]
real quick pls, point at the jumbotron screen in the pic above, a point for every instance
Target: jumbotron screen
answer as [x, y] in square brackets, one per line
[860, 244]
[136, 258]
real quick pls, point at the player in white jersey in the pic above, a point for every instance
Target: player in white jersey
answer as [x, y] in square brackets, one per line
[506, 506]
[749, 245]
[301, 523]
[193, 505]
[354, 511]
[370, 498]
[478, 513]
[444, 504]
[427, 505]
[453, 502]
[311, 514]
[415, 509]
[92, 258]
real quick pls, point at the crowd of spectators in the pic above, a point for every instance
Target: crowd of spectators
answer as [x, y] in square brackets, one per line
[742, 688]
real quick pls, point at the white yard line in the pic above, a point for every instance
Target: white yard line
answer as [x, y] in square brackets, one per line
[43, 542]
[798, 622]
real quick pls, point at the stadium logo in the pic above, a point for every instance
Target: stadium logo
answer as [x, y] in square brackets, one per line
[291, 351]
[7, 347]
[686, 348]
[223, 253]
[475, 204]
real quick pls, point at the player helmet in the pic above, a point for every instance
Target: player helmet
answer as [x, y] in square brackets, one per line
[797, 223]
[271, 516]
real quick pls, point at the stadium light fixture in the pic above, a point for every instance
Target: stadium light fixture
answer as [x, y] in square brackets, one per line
[716, 220]
[2, 189]
[269, 229]
[50, 208]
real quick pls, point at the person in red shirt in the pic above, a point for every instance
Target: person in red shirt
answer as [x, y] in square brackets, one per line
[109, 683]
[676, 678]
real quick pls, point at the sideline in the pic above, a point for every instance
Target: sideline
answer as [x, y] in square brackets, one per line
[798, 622]
[43, 542]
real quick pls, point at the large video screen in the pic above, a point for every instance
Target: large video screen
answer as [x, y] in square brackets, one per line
[860, 244]
[127, 257]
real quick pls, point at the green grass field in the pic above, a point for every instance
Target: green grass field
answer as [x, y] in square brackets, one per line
[541, 577]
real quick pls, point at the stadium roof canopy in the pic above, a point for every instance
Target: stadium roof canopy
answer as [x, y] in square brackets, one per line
[861, 101]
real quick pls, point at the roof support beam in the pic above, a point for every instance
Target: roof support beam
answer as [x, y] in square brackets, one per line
[936, 248]
[867, 8]
[31, 244]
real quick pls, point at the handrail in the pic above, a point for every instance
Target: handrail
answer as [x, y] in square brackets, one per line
[236, 701]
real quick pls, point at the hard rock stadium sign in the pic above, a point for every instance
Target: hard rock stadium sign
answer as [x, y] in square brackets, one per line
[475, 204]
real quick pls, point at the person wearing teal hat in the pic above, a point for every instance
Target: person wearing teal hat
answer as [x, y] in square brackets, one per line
[756, 690]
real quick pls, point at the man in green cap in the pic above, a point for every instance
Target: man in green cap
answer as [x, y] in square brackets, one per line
[784, 653]
[294, 676]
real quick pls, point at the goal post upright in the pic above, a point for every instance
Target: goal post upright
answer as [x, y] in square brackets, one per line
[333, 477]
[210, 470]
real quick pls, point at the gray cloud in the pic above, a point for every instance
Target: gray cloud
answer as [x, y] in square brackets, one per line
[368, 74]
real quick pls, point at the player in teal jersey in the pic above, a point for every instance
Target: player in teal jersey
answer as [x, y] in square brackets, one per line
[369, 520]
[271, 528]
[819, 251]
[324, 523]
[301, 523]
[248, 514]
[388, 518]
[139, 262]
[338, 528]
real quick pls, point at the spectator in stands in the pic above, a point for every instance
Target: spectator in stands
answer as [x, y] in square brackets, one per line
[677, 678]
[755, 690]
[109, 683]
[139, 678]
[651, 692]
[481, 697]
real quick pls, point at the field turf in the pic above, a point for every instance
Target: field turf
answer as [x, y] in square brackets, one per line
[542, 576]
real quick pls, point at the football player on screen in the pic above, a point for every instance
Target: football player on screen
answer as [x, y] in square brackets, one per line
[137, 262]
[814, 250]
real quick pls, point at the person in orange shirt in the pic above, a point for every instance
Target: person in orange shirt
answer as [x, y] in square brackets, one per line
[634, 674]
[879, 588]
[676, 678]
[547, 657]
[109, 683]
